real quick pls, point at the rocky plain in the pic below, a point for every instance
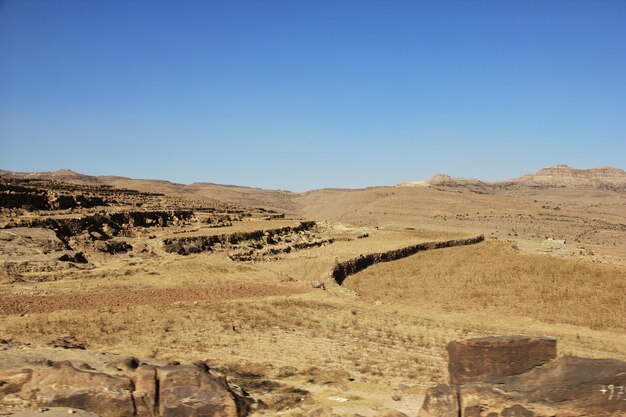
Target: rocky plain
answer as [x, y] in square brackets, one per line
[445, 297]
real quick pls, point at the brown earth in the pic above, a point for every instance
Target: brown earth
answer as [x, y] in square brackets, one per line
[44, 303]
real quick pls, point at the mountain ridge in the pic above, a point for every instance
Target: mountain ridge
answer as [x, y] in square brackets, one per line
[558, 176]
[561, 175]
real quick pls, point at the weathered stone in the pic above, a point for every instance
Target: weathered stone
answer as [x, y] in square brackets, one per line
[474, 360]
[127, 387]
[440, 401]
[66, 386]
[321, 412]
[55, 412]
[12, 381]
[77, 257]
[565, 387]
[390, 413]
[62, 202]
[27, 200]
[498, 386]
[113, 246]
[68, 342]
[189, 391]
[146, 387]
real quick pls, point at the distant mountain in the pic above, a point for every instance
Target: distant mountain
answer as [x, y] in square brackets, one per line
[568, 177]
[560, 176]
[443, 180]
[66, 175]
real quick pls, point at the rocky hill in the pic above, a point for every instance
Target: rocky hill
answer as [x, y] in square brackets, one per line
[444, 180]
[566, 176]
[65, 175]
[560, 176]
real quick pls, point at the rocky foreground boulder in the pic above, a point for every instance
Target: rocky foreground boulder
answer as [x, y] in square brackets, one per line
[521, 377]
[128, 387]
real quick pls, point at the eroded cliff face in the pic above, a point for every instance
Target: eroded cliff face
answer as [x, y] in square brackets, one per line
[48, 225]
[46, 244]
[106, 225]
[250, 245]
[32, 195]
[350, 267]
[522, 376]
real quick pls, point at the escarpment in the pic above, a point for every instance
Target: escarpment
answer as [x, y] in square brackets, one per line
[108, 224]
[33, 195]
[250, 245]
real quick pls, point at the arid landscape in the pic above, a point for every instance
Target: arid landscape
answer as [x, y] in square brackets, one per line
[327, 302]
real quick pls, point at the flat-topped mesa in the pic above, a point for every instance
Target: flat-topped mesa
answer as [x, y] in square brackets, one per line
[559, 176]
[566, 176]
[521, 376]
[476, 360]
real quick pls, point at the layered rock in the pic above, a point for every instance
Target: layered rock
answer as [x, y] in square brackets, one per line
[476, 359]
[26, 250]
[128, 388]
[106, 225]
[520, 376]
[566, 176]
[255, 238]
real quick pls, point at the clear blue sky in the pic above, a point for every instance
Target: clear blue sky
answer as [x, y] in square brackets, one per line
[307, 94]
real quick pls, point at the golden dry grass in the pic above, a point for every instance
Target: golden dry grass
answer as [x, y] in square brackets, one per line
[494, 277]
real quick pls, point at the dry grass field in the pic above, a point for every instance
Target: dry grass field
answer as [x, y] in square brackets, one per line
[494, 278]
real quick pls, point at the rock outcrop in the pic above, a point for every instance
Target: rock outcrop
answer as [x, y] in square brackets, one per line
[521, 376]
[32, 196]
[25, 250]
[128, 388]
[475, 359]
[107, 225]
[343, 270]
[52, 194]
[255, 239]
[559, 176]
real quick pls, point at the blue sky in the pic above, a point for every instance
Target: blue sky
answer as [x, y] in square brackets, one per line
[307, 94]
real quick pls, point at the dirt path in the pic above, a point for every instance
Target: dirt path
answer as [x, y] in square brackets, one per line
[39, 303]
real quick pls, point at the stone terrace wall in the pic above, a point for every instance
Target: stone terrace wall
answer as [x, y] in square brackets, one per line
[343, 270]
